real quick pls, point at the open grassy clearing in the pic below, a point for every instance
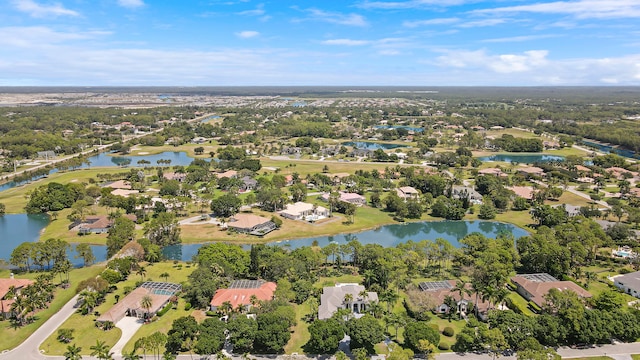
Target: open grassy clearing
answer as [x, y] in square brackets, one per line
[300, 334]
[15, 198]
[85, 331]
[10, 337]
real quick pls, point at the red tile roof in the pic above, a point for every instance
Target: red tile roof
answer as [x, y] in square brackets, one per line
[242, 297]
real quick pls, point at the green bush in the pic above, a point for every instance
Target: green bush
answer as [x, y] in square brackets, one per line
[187, 306]
[534, 307]
[165, 309]
[448, 331]
[444, 346]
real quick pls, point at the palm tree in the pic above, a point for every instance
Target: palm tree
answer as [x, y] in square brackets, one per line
[165, 275]
[369, 275]
[101, 351]
[396, 321]
[131, 356]
[348, 299]
[225, 308]
[461, 289]
[142, 343]
[142, 272]
[375, 309]
[146, 303]
[73, 353]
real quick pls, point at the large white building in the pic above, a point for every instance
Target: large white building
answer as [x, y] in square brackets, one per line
[304, 211]
[629, 283]
[345, 296]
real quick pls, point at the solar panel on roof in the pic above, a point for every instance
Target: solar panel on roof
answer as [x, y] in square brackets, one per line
[246, 284]
[540, 277]
[434, 285]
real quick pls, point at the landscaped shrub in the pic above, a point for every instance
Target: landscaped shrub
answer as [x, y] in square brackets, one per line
[165, 309]
[65, 335]
[444, 346]
[448, 331]
[187, 306]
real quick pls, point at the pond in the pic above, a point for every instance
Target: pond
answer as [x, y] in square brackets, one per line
[104, 160]
[209, 118]
[387, 236]
[369, 145]
[18, 228]
[522, 158]
[608, 149]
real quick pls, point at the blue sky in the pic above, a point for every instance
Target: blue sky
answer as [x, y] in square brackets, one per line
[330, 42]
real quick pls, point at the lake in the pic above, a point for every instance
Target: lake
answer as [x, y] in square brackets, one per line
[522, 158]
[104, 160]
[369, 145]
[209, 118]
[18, 228]
[611, 150]
[387, 236]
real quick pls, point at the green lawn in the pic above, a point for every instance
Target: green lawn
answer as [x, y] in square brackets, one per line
[15, 198]
[592, 358]
[521, 302]
[300, 334]
[163, 325]
[635, 356]
[10, 337]
[85, 330]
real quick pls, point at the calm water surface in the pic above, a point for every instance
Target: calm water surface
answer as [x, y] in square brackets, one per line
[18, 228]
[522, 159]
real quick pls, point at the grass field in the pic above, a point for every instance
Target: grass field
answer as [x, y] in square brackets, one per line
[300, 334]
[10, 337]
[15, 198]
[85, 331]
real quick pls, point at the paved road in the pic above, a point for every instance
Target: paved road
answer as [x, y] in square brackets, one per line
[28, 350]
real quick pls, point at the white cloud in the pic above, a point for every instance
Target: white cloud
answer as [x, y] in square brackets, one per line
[132, 4]
[336, 18]
[258, 11]
[346, 42]
[582, 9]
[518, 38]
[37, 10]
[34, 37]
[439, 21]
[411, 4]
[482, 23]
[247, 34]
[503, 63]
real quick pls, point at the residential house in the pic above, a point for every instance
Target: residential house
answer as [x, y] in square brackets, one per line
[47, 155]
[174, 176]
[531, 171]
[366, 153]
[571, 210]
[228, 174]
[583, 169]
[461, 192]
[7, 298]
[352, 198]
[621, 173]
[526, 192]
[345, 296]
[628, 283]
[407, 192]
[248, 184]
[534, 287]
[242, 294]
[120, 184]
[293, 150]
[251, 224]
[199, 140]
[304, 211]
[338, 178]
[492, 171]
[96, 224]
[124, 192]
[465, 303]
[159, 292]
